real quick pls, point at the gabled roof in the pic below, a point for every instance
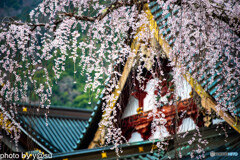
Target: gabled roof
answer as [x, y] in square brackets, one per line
[206, 86]
[70, 129]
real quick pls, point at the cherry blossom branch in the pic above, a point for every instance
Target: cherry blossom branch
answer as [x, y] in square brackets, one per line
[233, 22]
[100, 16]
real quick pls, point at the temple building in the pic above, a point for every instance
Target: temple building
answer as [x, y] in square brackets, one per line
[180, 119]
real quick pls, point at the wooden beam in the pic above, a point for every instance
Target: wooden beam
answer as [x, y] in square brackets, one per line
[207, 100]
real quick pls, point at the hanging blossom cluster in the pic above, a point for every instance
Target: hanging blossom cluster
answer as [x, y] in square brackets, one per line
[113, 133]
[21, 65]
[52, 36]
[22, 74]
[207, 43]
[57, 29]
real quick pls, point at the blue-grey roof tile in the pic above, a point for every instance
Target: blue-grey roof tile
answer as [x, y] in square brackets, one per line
[61, 133]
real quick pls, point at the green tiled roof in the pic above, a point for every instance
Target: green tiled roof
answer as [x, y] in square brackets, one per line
[59, 131]
[60, 135]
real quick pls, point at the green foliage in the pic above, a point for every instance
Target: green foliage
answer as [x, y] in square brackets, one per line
[69, 89]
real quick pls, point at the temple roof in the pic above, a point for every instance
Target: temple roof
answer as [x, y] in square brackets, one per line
[60, 131]
[210, 86]
[147, 150]
[70, 131]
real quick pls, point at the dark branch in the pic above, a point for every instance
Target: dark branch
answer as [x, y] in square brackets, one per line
[99, 17]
